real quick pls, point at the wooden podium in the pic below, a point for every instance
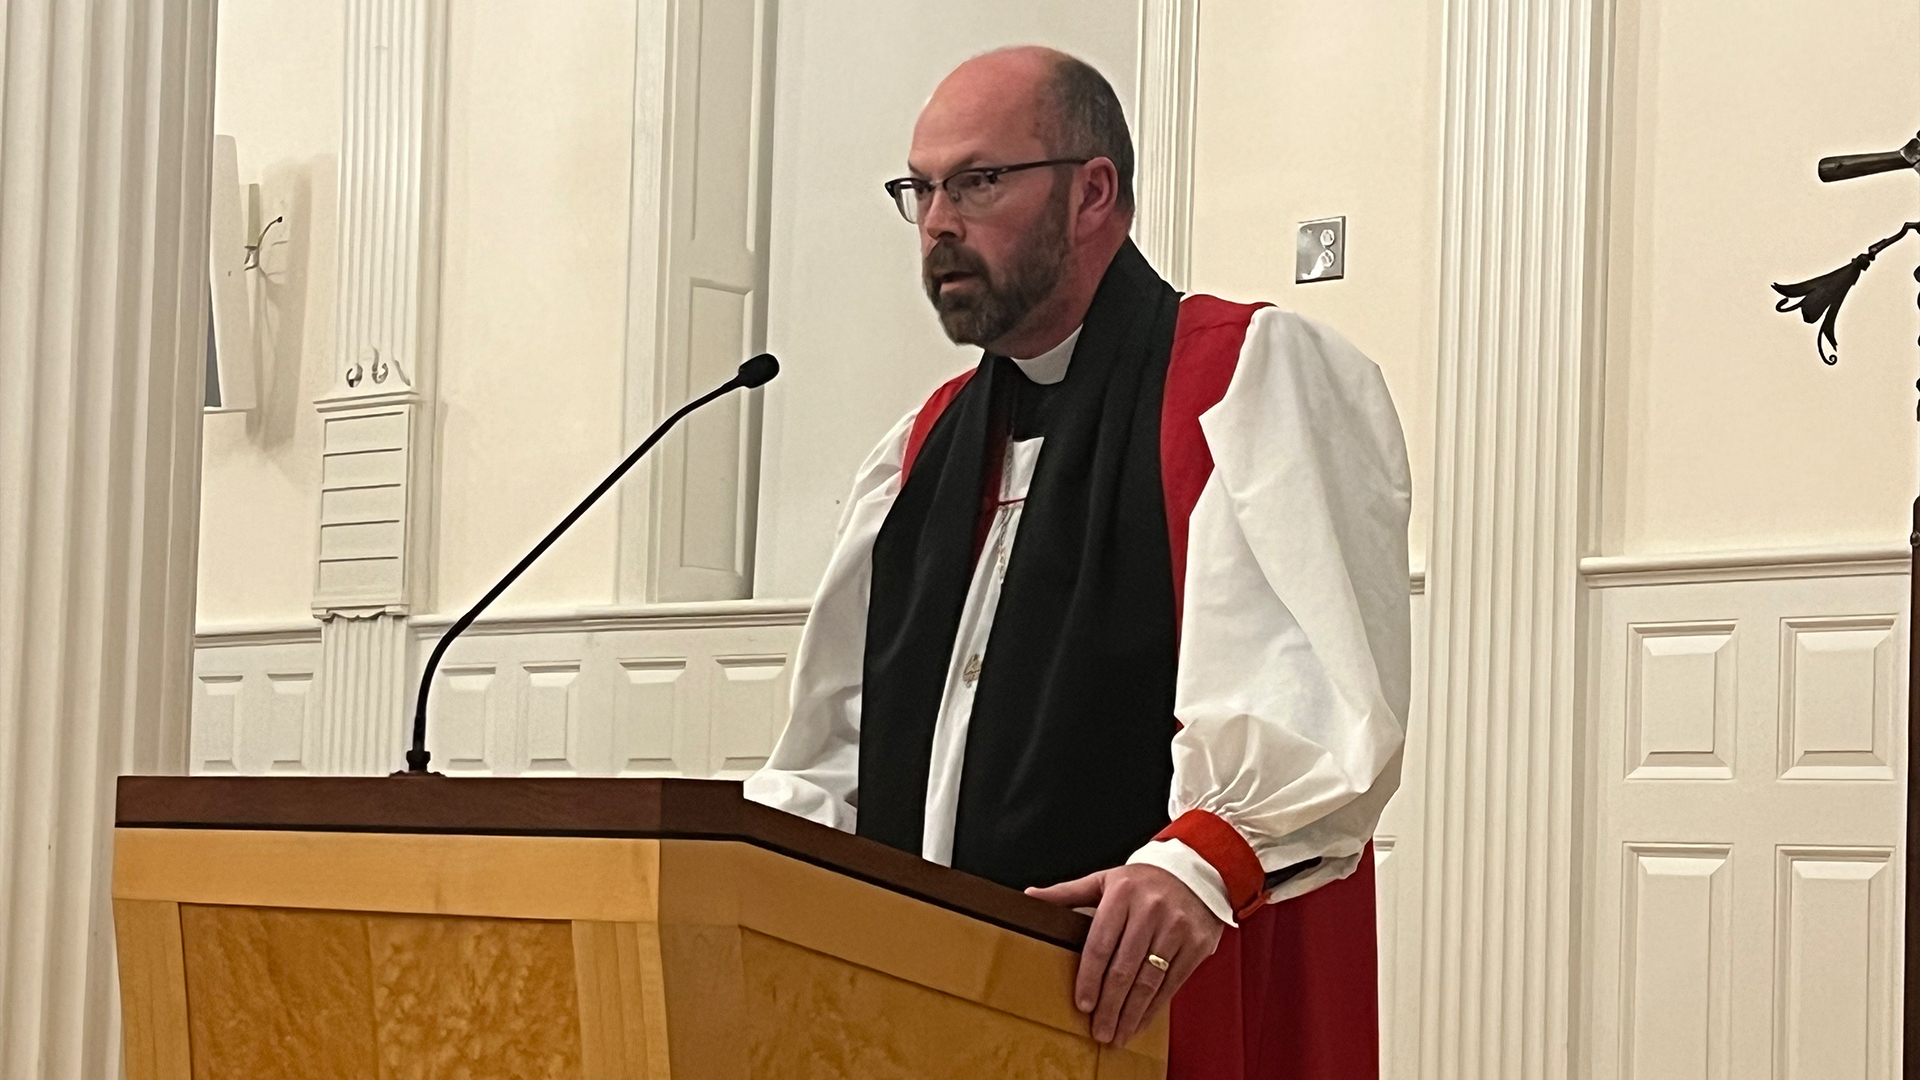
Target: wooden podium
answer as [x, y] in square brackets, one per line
[599, 929]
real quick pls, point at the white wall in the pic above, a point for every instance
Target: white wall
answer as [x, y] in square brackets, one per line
[1310, 110]
[857, 338]
[1722, 428]
[533, 302]
[278, 72]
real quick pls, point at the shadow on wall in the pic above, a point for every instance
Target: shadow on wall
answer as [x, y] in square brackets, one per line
[282, 293]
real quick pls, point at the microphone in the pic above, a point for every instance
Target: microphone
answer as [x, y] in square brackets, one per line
[1851, 166]
[755, 372]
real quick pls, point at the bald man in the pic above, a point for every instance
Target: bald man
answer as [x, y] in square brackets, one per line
[1120, 615]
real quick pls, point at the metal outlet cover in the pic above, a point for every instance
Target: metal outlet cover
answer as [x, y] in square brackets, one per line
[1320, 254]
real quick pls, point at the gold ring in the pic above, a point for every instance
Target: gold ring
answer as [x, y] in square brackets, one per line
[1157, 961]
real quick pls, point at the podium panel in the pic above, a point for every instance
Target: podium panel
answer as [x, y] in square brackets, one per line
[271, 930]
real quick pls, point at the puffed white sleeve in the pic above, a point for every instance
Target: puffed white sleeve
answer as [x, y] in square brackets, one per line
[814, 770]
[1295, 650]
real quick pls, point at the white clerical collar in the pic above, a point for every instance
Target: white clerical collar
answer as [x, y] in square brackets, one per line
[1051, 366]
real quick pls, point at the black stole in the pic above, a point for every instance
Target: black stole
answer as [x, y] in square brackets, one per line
[1068, 755]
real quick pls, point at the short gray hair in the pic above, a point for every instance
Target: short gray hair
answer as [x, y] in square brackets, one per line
[1088, 121]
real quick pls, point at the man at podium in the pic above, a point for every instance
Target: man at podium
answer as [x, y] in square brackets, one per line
[1120, 616]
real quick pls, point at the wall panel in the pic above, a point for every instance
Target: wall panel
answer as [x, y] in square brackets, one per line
[630, 700]
[1833, 965]
[255, 705]
[1676, 961]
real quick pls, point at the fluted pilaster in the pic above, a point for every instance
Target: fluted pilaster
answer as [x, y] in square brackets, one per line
[364, 666]
[105, 137]
[392, 137]
[377, 475]
[1163, 134]
[1503, 574]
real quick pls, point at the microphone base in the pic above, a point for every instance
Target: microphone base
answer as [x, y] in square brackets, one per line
[417, 764]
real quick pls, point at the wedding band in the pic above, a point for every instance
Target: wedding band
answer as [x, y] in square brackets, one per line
[1156, 961]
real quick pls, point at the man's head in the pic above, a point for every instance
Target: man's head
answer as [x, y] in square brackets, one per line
[1013, 261]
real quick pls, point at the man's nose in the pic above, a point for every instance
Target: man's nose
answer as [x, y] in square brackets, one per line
[940, 220]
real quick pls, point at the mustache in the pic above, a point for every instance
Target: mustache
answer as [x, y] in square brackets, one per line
[947, 257]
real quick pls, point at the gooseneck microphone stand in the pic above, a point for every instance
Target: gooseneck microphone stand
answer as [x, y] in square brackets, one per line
[755, 372]
[1818, 300]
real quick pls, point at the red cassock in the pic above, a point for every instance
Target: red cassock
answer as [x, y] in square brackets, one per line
[1292, 992]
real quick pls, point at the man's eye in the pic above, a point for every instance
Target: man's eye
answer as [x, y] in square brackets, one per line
[969, 183]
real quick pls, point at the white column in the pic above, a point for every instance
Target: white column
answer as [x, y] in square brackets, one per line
[377, 476]
[1497, 856]
[105, 141]
[1163, 135]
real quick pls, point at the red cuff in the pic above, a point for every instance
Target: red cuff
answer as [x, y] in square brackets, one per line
[1227, 852]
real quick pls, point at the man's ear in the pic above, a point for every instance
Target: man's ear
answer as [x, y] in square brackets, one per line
[1099, 192]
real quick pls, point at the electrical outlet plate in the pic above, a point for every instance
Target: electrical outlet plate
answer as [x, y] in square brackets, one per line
[1320, 253]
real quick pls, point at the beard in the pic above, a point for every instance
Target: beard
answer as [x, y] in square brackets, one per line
[989, 311]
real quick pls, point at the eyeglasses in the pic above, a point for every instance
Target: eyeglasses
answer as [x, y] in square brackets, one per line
[972, 191]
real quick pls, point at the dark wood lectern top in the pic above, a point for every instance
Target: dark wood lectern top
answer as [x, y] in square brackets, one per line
[631, 808]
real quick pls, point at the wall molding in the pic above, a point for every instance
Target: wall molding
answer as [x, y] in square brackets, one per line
[653, 56]
[704, 615]
[245, 635]
[1165, 89]
[1768, 564]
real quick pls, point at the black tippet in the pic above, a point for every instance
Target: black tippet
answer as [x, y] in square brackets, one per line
[1068, 755]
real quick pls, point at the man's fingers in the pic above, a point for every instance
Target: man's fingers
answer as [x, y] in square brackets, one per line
[1124, 971]
[1109, 922]
[1080, 892]
[1151, 983]
[1180, 966]
[1147, 985]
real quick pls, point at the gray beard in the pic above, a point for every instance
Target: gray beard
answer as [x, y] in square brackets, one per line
[989, 313]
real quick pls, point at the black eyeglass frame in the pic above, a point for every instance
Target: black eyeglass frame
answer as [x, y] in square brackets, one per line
[991, 174]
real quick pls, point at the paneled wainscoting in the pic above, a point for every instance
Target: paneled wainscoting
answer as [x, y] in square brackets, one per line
[1745, 755]
[255, 703]
[670, 690]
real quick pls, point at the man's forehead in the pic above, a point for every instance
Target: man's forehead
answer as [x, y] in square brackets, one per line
[971, 120]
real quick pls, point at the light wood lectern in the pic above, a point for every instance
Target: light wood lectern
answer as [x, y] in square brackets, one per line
[475, 928]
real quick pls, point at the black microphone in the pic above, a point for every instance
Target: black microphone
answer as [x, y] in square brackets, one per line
[1851, 166]
[755, 372]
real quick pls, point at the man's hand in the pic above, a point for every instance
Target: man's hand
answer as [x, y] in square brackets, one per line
[1141, 910]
